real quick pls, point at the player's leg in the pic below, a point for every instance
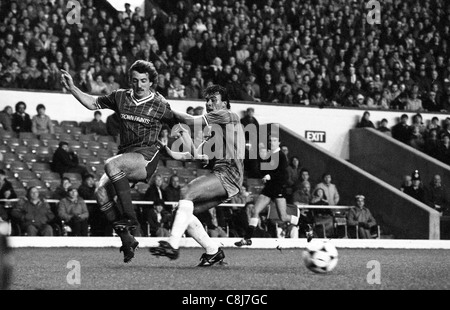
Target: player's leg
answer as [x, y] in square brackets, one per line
[122, 169]
[206, 191]
[298, 220]
[105, 194]
[261, 203]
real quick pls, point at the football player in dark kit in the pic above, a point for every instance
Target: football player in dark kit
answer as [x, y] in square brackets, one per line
[275, 179]
[142, 112]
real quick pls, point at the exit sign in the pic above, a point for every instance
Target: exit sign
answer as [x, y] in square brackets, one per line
[315, 136]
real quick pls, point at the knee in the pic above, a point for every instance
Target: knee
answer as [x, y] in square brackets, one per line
[47, 231]
[112, 166]
[101, 195]
[31, 230]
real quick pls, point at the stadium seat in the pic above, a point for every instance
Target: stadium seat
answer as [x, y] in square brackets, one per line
[41, 168]
[10, 158]
[22, 150]
[55, 122]
[47, 136]
[13, 142]
[76, 131]
[174, 164]
[84, 153]
[33, 143]
[67, 137]
[353, 232]
[5, 134]
[98, 169]
[58, 130]
[27, 135]
[18, 166]
[75, 145]
[30, 158]
[105, 140]
[25, 175]
[192, 165]
[35, 183]
[86, 138]
[104, 154]
[93, 160]
[73, 176]
[164, 171]
[53, 143]
[5, 148]
[67, 123]
[94, 145]
[44, 153]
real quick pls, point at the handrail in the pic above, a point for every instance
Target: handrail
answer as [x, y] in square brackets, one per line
[173, 203]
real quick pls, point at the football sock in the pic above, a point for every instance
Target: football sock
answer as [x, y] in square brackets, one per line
[295, 220]
[122, 187]
[197, 231]
[110, 211]
[182, 219]
[252, 223]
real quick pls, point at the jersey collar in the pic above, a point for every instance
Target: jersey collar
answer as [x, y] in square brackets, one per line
[141, 101]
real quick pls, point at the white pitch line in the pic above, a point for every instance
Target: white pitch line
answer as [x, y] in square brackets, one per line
[258, 243]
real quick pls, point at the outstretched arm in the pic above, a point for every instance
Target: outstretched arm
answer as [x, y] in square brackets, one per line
[85, 99]
[188, 119]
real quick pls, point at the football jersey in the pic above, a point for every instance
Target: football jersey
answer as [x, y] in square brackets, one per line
[227, 142]
[140, 119]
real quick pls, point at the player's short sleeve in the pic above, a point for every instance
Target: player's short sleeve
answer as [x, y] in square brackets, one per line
[220, 117]
[167, 113]
[107, 101]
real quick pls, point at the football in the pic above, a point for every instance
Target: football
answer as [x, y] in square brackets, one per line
[320, 256]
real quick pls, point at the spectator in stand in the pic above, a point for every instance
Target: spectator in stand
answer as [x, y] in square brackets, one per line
[330, 189]
[413, 103]
[300, 97]
[416, 139]
[437, 196]
[431, 104]
[401, 130]
[303, 194]
[434, 124]
[432, 142]
[159, 220]
[41, 123]
[293, 172]
[154, 192]
[21, 121]
[416, 189]
[361, 217]
[62, 190]
[407, 182]
[323, 218]
[33, 214]
[73, 211]
[365, 121]
[97, 126]
[193, 90]
[443, 152]
[211, 221]
[6, 118]
[176, 89]
[65, 160]
[111, 84]
[383, 127]
[172, 191]
[6, 192]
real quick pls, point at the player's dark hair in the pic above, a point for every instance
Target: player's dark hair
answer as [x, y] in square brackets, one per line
[142, 66]
[213, 89]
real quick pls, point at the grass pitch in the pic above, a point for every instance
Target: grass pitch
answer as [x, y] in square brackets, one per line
[247, 269]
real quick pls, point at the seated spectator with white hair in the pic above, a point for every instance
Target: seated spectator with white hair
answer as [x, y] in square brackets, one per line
[361, 217]
[33, 214]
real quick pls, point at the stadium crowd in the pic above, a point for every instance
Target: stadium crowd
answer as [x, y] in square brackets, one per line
[315, 52]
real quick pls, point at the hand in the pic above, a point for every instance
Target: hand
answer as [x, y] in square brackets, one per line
[66, 80]
[363, 225]
[266, 178]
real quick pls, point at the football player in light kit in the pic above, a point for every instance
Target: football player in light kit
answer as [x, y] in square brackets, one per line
[225, 149]
[275, 181]
[142, 112]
